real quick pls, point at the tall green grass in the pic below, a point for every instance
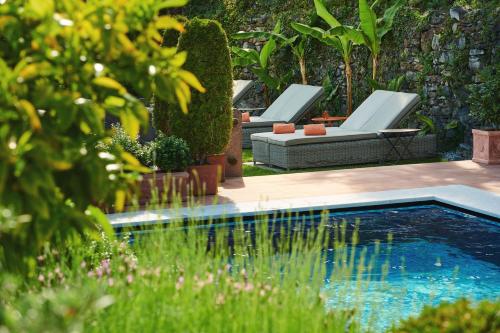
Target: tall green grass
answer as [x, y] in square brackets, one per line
[187, 278]
[303, 273]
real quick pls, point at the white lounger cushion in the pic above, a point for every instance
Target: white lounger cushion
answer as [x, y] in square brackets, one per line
[333, 134]
[260, 122]
[240, 88]
[289, 107]
[381, 110]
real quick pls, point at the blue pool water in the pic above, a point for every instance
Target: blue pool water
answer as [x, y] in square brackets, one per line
[437, 254]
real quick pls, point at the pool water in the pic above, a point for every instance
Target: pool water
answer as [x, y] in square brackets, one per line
[436, 254]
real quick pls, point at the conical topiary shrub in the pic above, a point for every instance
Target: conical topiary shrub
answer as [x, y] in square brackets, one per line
[207, 126]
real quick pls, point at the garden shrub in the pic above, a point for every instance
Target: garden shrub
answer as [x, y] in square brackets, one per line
[207, 126]
[460, 316]
[169, 153]
[484, 99]
[130, 145]
[64, 66]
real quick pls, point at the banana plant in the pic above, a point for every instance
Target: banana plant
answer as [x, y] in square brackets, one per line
[393, 85]
[296, 43]
[374, 29]
[342, 38]
[258, 63]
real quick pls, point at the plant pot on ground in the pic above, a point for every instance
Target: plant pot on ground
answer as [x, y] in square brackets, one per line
[161, 187]
[169, 156]
[486, 146]
[484, 102]
[203, 179]
[220, 161]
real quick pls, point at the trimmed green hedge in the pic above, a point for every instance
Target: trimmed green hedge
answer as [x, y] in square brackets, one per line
[207, 126]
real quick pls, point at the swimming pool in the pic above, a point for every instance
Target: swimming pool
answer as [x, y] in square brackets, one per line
[436, 254]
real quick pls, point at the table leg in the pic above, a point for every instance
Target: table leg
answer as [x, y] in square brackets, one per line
[393, 147]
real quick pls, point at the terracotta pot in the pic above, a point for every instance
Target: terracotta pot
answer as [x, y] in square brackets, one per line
[220, 161]
[486, 146]
[203, 179]
[163, 187]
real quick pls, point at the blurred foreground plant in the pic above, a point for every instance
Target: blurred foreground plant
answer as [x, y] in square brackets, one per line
[64, 66]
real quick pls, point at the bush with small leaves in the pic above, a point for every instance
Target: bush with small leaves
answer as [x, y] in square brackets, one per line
[460, 316]
[121, 138]
[169, 153]
[484, 100]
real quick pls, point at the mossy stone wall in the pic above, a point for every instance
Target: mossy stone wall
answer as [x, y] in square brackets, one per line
[439, 46]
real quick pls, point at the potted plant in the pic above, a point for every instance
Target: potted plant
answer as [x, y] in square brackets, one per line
[169, 157]
[206, 127]
[484, 103]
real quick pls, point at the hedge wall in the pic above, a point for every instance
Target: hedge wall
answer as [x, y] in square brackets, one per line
[207, 126]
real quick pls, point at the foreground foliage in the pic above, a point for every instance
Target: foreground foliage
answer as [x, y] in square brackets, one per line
[461, 316]
[64, 66]
[206, 280]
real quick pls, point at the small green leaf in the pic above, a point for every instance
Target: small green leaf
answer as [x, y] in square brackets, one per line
[109, 83]
[192, 80]
[130, 123]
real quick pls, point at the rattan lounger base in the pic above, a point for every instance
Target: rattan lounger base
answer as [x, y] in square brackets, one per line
[335, 153]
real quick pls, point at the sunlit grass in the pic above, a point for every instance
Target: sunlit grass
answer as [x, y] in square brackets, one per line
[198, 279]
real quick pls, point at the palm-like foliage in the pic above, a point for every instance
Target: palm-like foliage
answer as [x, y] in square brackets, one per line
[259, 63]
[374, 29]
[342, 38]
[296, 43]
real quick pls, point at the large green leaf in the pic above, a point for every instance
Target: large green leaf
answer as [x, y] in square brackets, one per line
[315, 32]
[324, 14]
[369, 26]
[388, 18]
[263, 75]
[348, 33]
[266, 52]
[245, 56]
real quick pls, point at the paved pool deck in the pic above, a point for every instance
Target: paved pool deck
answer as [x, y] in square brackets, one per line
[463, 184]
[360, 180]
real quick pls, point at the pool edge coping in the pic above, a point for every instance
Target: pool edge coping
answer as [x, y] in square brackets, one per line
[460, 196]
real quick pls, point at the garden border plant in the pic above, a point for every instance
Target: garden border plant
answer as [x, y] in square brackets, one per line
[207, 127]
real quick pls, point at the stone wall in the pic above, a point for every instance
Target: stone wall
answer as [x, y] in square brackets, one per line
[439, 51]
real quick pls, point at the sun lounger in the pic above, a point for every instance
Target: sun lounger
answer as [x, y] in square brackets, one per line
[289, 107]
[356, 141]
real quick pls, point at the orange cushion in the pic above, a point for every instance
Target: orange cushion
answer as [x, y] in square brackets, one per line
[245, 117]
[283, 128]
[315, 129]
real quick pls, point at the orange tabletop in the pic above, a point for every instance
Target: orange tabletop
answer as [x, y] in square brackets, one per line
[328, 121]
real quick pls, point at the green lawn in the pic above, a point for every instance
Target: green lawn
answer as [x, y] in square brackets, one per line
[251, 171]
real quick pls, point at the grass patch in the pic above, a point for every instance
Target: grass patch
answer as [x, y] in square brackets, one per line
[190, 280]
[247, 155]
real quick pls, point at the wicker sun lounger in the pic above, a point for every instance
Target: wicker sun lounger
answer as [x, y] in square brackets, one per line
[356, 141]
[289, 107]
